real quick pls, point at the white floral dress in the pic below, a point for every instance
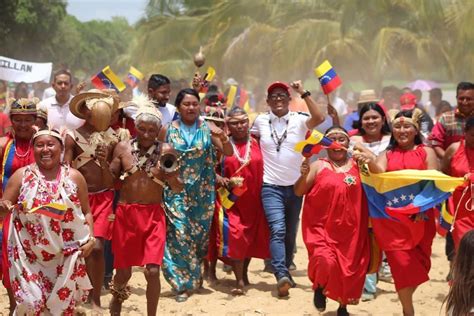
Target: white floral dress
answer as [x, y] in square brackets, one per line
[46, 272]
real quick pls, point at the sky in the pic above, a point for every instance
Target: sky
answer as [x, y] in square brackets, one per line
[86, 10]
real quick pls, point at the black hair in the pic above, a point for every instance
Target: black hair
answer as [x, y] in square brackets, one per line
[334, 127]
[182, 93]
[62, 72]
[464, 85]
[236, 110]
[377, 108]
[157, 80]
[436, 91]
[469, 123]
[418, 138]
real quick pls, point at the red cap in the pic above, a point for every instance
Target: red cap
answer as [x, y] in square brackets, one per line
[278, 84]
[408, 101]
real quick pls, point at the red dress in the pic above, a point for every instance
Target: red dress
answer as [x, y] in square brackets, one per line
[335, 232]
[461, 163]
[410, 267]
[243, 229]
[11, 161]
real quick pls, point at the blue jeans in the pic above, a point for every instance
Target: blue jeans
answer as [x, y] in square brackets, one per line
[282, 210]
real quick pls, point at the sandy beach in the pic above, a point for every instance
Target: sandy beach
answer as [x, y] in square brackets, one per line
[261, 297]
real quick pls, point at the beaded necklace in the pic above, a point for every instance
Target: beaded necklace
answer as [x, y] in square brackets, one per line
[278, 140]
[246, 158]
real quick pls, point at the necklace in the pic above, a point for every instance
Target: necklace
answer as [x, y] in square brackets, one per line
[246, 158]
[278, 140]
[21, 156]
[349, 179]
[143, 161]
[49, 188]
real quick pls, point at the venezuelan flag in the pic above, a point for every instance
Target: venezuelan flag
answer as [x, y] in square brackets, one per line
[398, 202]
[107, 79]
[327, 77]
[314, 142]
[134, 77]
[237, 96]
[53, 210]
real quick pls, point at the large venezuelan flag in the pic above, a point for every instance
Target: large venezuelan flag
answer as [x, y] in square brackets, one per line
[327, 77]
[107, 79]
[398, 201]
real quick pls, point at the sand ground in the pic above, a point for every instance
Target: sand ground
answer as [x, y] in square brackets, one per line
[261, 297]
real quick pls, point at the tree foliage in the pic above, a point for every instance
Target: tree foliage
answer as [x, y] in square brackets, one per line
[366, 41]
[40, 30]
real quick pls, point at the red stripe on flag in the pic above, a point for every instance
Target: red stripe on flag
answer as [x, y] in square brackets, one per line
[96, 82]
[332, 85]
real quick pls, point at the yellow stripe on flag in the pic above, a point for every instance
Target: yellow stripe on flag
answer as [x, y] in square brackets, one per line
[134, 71]
[231, 95]
[323, 68]
[114, 79]
[211, 72]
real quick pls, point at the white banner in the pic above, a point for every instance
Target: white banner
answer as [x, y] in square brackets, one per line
[17, 70]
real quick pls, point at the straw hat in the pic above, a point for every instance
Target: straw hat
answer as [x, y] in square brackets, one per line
[77, 102]
[22, 106]
[367, 96]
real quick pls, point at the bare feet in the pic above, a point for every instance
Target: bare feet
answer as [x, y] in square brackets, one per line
[237, 292]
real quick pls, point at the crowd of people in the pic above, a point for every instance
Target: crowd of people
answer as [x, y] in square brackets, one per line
[174, 188]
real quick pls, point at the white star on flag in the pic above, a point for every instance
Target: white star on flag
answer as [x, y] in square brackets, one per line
[389, 203]
[395, 200]
[411, 197]
[403, 197]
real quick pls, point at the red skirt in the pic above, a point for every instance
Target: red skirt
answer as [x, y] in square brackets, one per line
[410, 267]
[139, 235]
[101, 209]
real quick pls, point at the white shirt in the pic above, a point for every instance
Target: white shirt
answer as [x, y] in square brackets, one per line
[59, 116]
[340, 106]
[48, 93]
[283, 167]
[168, 112]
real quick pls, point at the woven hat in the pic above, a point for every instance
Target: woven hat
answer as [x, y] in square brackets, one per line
[23, 106]
[367, 96]
[78, 101]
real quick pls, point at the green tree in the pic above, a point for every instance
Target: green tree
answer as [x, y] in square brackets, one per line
[27, 26]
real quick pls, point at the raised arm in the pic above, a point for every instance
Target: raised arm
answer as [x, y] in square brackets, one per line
[316, 113]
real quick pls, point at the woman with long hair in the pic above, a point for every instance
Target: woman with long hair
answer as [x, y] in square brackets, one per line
[460, 299]
[335, 225]
[374, 134]
[409, 264]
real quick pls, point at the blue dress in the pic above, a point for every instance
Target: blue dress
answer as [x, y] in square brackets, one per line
[189, 213]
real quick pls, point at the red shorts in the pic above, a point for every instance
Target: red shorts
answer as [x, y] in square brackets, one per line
[101, 209]
[139, 235]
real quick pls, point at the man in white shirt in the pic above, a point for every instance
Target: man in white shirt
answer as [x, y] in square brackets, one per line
[279, 130]
[57, 107]
[159, 90]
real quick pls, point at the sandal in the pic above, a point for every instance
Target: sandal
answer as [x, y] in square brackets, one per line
[182, 297]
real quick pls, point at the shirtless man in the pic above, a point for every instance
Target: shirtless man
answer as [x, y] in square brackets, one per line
[89, 150]
[140, 225]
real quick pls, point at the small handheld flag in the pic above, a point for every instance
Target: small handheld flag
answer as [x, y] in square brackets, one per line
[327, 77]
[107, 79]
[237, 96]
[134, 77]
[313, 144]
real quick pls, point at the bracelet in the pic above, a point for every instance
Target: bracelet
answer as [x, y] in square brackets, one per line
[305, 94]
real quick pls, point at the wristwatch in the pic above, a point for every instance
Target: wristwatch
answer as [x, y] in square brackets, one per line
[305, 94]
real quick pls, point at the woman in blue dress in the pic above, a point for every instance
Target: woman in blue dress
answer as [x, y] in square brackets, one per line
[189, 213]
